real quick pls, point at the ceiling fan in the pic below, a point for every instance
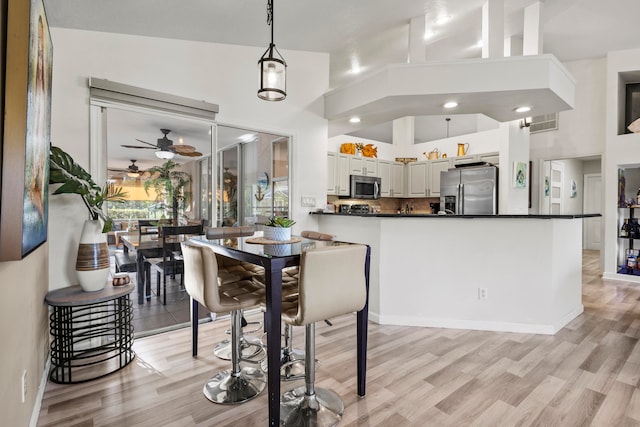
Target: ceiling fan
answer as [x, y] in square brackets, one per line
[166, 149]
[132, 171]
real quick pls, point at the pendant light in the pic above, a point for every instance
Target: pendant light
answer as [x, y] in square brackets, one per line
[272, 68]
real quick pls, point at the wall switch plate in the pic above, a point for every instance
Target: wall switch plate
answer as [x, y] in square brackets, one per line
[482, 293]
[308, 201]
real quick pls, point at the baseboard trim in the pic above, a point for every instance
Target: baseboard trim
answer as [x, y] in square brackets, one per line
[37, 406]
[479, 325]
[621, 277]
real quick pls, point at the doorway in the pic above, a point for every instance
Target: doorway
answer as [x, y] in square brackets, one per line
[592, 227]
[126, 123]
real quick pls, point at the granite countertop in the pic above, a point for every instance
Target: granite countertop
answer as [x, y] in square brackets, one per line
[395, 215]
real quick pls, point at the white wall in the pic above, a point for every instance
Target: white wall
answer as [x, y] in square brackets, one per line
[581, 131]
[222, 74]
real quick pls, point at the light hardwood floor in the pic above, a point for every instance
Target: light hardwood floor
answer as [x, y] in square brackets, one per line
[587, 374]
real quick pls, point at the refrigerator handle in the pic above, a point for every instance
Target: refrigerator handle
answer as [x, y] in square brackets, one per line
[461, 204]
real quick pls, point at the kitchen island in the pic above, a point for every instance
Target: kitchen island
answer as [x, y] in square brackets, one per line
[514, 273]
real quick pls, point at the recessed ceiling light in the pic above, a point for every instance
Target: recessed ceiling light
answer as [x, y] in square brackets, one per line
[523, 109]
[354, 120]
[442, 19]
[450, 104]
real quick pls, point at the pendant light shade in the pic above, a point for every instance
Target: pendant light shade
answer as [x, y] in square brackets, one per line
[272, 68]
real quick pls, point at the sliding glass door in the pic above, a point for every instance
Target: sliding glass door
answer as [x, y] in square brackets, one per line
[253, 176]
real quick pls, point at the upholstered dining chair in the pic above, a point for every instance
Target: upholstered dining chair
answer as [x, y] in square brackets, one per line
[332, 282]
[204, 286]
[171, 261]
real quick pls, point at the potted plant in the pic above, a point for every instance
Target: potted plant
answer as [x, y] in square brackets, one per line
[92, 262]
[169, 185]
[278, 228]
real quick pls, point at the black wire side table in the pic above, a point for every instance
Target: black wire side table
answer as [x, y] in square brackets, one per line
[92, 332]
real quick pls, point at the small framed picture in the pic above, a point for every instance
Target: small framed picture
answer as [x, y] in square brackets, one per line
[519, 174]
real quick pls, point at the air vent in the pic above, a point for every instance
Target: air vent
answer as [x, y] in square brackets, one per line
[544, 123]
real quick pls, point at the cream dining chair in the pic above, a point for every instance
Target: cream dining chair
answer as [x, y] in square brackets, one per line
[332, 283]
[202, 283]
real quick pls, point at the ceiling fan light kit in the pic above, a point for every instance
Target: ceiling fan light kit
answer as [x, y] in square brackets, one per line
[272, 68]
[165, 155]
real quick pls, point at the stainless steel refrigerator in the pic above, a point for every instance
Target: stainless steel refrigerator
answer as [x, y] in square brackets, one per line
[471, 190]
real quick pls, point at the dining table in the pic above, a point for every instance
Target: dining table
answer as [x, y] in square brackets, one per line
[147, 246]
[274, 258]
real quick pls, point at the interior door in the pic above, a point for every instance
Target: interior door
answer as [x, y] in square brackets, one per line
[557, 178]
[592, 227]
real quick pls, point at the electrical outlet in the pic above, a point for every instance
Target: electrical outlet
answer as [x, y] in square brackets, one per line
[482, 293]
[24, 386]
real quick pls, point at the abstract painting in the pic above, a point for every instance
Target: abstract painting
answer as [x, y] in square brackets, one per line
[520, 174]
[26, 133]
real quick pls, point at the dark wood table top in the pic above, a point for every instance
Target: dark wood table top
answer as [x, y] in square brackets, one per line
[73, 296]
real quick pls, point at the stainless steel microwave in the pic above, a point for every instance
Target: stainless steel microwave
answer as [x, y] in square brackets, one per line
[364, 187]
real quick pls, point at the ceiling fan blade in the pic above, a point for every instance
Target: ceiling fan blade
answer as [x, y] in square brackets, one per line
[183, 148]
[148, 143]
[136, 146]
[191, 154]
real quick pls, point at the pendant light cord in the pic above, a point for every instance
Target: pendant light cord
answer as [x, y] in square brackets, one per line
[270, 17]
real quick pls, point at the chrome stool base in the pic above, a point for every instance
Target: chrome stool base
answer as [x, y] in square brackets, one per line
[324, 408]
[248, 350]
[292, 365]
[227, 388]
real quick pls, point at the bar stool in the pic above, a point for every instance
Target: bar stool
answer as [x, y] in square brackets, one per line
[229, 271]
[332, 283]
[292, 359]
[203, 285]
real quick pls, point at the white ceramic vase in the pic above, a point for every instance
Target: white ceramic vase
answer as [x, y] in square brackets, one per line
[92, 262]
[277, 233]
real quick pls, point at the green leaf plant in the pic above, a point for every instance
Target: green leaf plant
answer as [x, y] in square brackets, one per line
[279, 221]
[76, 180]
[169, 184]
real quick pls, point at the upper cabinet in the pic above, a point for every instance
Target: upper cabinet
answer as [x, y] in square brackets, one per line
[367, 166]
[337, 174]
[424, 177]
[392, 178]
[416, 179]
[435, 167]
[492, 158]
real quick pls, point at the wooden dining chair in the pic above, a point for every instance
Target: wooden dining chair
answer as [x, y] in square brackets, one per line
[148, 227]
[171, 262]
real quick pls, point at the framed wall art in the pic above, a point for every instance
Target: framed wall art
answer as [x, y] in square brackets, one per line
[519, 174]
[26, 130]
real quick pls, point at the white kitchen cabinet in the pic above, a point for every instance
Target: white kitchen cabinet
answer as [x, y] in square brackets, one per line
[435, 167]
[464, 159]
[418, 179]
[397, 182]
[386, 177]
[392, 175]
[493, 158]
[332, 183]
[337, 174]
[367, 166]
